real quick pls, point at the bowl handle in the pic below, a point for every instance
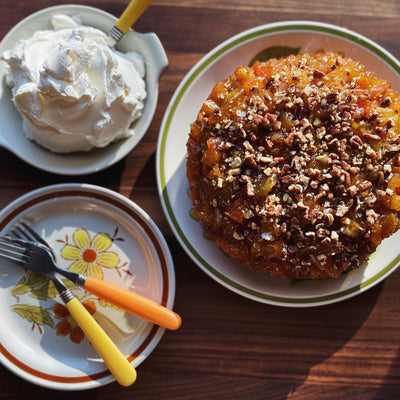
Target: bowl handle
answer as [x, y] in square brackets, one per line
[159, 58]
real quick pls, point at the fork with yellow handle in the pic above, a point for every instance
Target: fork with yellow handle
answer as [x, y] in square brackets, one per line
[116, 362]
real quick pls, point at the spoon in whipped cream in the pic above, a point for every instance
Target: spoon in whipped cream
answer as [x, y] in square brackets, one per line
[134, 10]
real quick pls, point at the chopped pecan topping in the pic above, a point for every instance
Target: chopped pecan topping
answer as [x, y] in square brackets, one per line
[298, 169]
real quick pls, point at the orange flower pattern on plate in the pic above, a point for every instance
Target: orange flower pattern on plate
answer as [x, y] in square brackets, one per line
[68, 325]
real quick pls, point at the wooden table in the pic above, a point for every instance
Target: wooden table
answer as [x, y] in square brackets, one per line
[230, 347]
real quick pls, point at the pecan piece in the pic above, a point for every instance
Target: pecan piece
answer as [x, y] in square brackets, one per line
[363, 186]
[318, 74]
[356, 142]
[386, 102]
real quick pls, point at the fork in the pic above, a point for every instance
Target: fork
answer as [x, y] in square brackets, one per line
[37, 258]
[125, 299]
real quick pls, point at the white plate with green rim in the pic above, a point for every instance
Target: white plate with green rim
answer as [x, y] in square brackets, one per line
[277, 39]
[39, 341]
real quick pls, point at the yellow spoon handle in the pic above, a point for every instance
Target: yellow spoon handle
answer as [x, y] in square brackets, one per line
[116, 362]
[135, 9]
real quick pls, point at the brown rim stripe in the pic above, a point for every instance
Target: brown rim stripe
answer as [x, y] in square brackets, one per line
[160, 254]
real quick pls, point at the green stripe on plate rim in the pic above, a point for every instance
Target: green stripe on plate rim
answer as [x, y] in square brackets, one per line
[223, 48]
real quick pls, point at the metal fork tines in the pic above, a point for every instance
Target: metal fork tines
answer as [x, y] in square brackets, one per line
[25, 232]
[28, 254]
[13, 251]
[22, 230]
[22, 253]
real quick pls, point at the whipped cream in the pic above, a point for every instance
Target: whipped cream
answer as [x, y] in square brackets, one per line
[74, 91]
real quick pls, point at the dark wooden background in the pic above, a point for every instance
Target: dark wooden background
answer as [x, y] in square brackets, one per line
[230, 347]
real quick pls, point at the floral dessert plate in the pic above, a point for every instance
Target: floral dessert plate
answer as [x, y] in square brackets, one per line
[263, 42]
[39, 340]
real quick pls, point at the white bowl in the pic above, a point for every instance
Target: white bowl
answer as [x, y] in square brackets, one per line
[295, 36]
[11, 135]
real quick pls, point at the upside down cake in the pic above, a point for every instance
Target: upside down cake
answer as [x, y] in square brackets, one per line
[294, 165]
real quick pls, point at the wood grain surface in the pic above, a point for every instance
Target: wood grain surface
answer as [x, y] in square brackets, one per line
[230, 347]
